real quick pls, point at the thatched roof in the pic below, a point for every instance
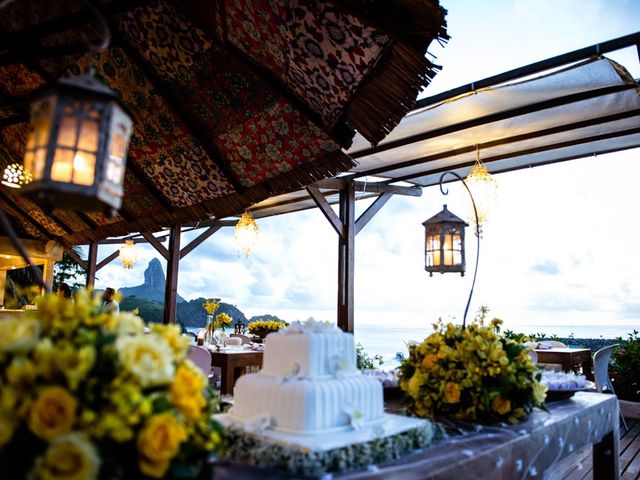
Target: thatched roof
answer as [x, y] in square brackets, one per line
[233, 101]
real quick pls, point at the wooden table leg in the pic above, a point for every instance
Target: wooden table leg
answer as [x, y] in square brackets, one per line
[228, 379]
[606, 460]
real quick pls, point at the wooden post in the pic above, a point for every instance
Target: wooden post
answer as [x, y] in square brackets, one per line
[91, 265]
[346, 258]
[171, 287]
[3, 283]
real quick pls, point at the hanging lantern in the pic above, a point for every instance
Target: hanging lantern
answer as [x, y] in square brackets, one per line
[485, 192]
[444, 243]
[15, 176]
[77, 147]
[128, 254]
[246, 234]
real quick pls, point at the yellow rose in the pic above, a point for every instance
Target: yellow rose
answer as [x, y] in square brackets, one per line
[52, 413]
[186, 390]
[173, 335]
[45, 356]
[69, 457]
[429, 361]
[451, 393]
[126, 324]
[21, 371]
[539, 392]
[18, 335]
[148, 358]
[7, 427]
[74, 363]
[501, 405]
[158, 442]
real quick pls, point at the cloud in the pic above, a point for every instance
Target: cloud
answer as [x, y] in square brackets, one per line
[546, 267]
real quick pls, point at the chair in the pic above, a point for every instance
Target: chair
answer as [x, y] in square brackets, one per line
[202, 358]
[551, 344]
[601, 373]
[245, 339]
[234, 341]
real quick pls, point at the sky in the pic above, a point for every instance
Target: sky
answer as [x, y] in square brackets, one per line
[560, 246]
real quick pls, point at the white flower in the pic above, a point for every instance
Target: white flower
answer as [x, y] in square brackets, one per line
[128, 324]
[148, 358]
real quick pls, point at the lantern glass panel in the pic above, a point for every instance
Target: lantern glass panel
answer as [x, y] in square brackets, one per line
[68, 131]
[452, 247]
[88, 136]
[120, 132]
[84, 165]
[62, 167]
[433, 247]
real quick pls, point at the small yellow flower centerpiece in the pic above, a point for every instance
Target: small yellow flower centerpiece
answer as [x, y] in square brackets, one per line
[263, 327]
[211, 305]
[87, 395]
[222, 321]
[474, 375]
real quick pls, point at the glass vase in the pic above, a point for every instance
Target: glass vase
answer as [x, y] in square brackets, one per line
[223, 339]
[208, 336]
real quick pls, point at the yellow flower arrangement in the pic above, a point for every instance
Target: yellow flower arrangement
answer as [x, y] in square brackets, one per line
[85, 395]
[472, 375]
[222, 320]
[263, 327]
[211, 305]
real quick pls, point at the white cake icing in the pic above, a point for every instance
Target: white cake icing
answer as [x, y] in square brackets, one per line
[309, 384]
[316, 349]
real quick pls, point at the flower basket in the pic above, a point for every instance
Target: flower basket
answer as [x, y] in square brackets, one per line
[262, 328]
[89, 395]
[473, 375]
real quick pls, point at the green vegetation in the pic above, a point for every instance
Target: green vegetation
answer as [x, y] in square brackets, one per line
[625, 367]
[364, 361]
[149, 310]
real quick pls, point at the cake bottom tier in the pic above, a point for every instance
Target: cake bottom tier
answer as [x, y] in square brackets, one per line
[308, 407]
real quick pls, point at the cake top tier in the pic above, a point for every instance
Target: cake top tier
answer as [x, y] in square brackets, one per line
[310, 349]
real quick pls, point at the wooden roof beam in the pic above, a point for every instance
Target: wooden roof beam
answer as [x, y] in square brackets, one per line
[370, 187]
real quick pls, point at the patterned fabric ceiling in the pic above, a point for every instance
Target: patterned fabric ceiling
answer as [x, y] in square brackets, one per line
[233, 100]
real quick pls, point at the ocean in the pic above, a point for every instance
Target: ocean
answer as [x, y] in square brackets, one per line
[388, 341]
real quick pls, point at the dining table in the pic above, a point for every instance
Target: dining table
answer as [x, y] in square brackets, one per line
[233, 362]
[532, 449]
[577, 360]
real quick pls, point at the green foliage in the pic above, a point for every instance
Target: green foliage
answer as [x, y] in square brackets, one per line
[625, 367]
[192, 314]
[20, 287]
[149, 310]
[265, 318]
[364, 361]
[67, 269]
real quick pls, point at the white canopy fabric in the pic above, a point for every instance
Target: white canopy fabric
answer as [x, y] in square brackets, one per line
[585, 109]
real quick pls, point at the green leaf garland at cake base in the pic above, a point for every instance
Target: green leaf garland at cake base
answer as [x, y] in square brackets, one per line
[260, 451]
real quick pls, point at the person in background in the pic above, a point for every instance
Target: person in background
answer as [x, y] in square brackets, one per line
[64, 291]
[109, 305]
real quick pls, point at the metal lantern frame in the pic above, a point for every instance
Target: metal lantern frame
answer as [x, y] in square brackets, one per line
[77, 147]
[444, 243]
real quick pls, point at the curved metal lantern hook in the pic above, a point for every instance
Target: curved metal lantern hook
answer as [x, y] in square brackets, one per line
[445, 191]
[104, 27]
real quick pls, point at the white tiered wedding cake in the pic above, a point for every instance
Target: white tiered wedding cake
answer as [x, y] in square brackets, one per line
[309, 384]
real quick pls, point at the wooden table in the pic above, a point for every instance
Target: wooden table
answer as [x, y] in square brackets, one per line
[233, 364]
[530, 450]
[569, 358]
